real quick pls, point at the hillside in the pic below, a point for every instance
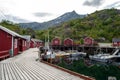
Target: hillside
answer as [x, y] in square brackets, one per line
[45, 25]
[16, 28]
[11, 26]
[100, 25]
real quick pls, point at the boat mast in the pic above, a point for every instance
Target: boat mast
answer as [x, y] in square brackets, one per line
[48, 39]
[45, 41]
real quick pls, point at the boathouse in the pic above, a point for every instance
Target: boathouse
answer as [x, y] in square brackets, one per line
[116, 42]
[10, 43]
[88, 41]
[68, 42]
[28, 39]
[32, 43]
[22, 44]
[56, 42]
[36, 43]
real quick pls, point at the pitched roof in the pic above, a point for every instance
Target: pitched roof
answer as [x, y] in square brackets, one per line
[28, 37]
[37, 40]
[11, 32]
[116, 40]
[105, 44]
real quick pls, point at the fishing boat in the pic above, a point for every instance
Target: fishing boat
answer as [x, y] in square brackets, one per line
[49, 54]
[107, 58]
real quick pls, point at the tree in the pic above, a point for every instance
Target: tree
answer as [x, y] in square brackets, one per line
[81, 41]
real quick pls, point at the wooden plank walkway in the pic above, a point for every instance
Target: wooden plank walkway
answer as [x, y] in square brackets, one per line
[25, 67]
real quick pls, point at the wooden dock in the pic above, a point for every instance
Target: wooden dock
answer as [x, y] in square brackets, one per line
[25, 67]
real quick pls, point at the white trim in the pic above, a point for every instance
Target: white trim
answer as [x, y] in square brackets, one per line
[12, 49]
[4, 51]
[15, 43]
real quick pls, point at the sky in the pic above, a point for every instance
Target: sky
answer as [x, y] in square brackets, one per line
[45, 10]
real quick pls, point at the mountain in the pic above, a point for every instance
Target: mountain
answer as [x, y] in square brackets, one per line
[63, 18]
[101, 25]
[12, 18]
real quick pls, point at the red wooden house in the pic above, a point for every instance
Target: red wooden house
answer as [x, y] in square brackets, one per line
[22, 44]
[42, 43]
[56, 42]
[116, 42]
[10, 42]
[36, 43]
[39, 43]
[28, 39]
[32, 43]
[88, 41]
[68, 42]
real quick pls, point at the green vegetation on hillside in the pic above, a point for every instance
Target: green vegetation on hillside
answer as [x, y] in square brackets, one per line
[100, 24]
[11, 26]
[15, 27]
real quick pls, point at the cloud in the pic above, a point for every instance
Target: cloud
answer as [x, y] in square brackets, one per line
[43, 14]
[113, 5]
[94, 3]
[13, 19]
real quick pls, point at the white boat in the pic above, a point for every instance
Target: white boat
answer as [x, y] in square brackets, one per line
[77, 55]
[50, 54]
[107, 58]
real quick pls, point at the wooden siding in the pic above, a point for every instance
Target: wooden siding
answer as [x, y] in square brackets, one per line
[56, 42]
[5, 43]
[68, 42]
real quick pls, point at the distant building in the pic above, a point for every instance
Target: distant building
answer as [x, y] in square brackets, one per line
[68, 42]
[36, 43]
[105, 44]
[56, 42]
[116, 42]
[88, 41]
[28, 38]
